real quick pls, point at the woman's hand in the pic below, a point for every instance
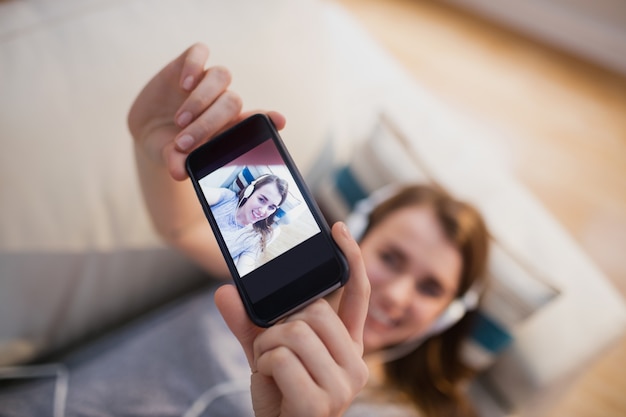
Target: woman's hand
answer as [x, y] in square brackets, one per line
[311, 364]
[184, 100]
[182, 107]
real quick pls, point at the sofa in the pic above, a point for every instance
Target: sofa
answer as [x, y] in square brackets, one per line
[79, 257]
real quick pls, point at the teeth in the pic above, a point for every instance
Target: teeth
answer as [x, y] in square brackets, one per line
[380, 316]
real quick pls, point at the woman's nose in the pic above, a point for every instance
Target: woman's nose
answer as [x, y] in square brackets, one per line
[400, 291]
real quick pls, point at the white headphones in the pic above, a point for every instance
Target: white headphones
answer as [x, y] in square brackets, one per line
[247, 192]
[357, 223]
[359, 218]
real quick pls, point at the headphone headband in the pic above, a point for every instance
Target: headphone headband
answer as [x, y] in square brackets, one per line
[249, 190]
[358, 221]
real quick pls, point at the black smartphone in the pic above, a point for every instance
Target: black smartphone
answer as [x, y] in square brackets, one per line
[273, 236]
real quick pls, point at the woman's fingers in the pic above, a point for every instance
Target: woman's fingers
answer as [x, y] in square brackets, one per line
[193, 61]
[278, 119]
[311, 363]
[207, 109]
[214, 82]
[319, 339]
[212, 121]
[217, 118]
[313, 350]
[317, 330]
[300, 396]
[213, 111]
[232, 310]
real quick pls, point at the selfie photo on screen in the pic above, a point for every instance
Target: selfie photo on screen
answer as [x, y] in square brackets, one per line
[259, 212]
[276, 243]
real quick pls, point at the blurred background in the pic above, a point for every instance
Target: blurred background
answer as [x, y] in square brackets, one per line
[533, 88]
[551, 76]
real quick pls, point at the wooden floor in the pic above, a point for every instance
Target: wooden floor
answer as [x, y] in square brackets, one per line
[565, 121]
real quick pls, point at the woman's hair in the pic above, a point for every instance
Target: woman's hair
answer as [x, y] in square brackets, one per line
[430, 375]
[264, 226]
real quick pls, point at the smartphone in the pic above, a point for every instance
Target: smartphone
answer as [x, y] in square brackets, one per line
[276, 243]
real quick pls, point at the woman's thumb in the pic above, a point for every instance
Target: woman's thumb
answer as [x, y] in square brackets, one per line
[231, 307]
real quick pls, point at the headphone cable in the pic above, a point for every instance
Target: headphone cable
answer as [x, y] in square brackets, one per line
[57, 370]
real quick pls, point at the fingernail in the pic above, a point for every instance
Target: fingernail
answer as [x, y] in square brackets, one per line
[184, 119]
[346, 231]
[188, 83]
[184, 142]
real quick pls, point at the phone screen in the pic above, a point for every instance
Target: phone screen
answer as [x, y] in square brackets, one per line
[275, 241]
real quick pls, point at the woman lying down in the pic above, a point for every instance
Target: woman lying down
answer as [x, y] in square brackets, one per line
[387, 344]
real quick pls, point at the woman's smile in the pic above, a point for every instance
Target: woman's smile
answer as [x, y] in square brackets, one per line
[263, 202]
[258, 214]
[378, 319]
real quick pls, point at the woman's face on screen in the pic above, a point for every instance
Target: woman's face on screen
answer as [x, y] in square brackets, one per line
[260, 205]
[414, 271]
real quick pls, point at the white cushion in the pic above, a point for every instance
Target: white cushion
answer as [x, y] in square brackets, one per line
[587, 316]
[516, 290]
[77, 251]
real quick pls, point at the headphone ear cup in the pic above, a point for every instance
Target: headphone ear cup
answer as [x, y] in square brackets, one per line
[456, 311]
[248, 191]
[452, 314]
[358, 220]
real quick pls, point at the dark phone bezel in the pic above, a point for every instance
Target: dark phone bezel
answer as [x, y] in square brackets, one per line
[302, 290]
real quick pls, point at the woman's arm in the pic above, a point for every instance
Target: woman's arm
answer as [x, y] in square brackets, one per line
[213, 195]
[246, 263]
[183, 106]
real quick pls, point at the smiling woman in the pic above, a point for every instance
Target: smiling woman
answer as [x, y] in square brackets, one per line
[422, 250]
[414, 270]
[425, 254]
[246, 218]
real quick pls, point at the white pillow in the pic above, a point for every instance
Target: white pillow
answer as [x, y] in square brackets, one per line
[516, 289]
[561, 339]
[77, 251]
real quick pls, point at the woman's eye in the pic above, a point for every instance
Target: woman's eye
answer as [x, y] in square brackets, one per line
[391, 260]
[430, 287]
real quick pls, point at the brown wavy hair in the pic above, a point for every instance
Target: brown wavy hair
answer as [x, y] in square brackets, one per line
[264, 227]
[431, 375]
